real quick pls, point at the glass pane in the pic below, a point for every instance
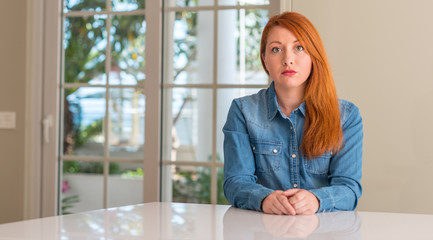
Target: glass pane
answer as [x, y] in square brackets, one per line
[81, 186]
[189, 184]
[127, 5]
[239, 34]
[189, 58]
[191, 124]
[221, 198]
[126, 122]
[243, 2]
[225, 98]
[85, 41]
[125, 184]
[188, 3]
[84, 112]
[83, 5]
[127, 42]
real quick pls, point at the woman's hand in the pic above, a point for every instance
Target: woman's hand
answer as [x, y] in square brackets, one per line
[304, 202]
[277, 203]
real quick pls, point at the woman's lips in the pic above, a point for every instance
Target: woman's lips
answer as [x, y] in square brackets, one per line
[289, 72]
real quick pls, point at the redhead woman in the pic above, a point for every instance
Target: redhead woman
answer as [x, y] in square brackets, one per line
[293, 148]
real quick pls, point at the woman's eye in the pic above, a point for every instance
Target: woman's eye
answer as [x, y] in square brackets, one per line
[276, 49]
[300, 48]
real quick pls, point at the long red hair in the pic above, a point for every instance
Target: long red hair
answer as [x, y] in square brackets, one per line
[322, 130]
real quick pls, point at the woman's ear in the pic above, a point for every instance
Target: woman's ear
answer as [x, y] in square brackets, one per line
[264, 61]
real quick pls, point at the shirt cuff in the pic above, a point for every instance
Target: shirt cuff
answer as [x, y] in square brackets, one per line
[257, 197]
[326, 201]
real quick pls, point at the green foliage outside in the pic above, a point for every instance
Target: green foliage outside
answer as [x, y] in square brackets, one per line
[83, 135]
[89, 167]
[256, 20]
[68, 202]
[138, 173]
[195, 187]
[191, 186]
[85, 43]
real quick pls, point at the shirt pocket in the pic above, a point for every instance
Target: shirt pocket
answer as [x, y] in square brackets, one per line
[319, 165]
[267, 154]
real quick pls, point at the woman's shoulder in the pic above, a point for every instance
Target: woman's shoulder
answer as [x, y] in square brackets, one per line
[254, 107]
[253, 99]
[348, 110]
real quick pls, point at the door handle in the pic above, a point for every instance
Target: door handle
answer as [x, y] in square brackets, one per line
[47, 124]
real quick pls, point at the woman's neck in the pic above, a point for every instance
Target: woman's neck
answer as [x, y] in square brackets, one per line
[289, 99]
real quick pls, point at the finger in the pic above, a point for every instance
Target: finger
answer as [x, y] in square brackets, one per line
[301, 207]
[290, 210]
[297, 204]
[304, 202]
[281, 203]
[291, 192]
[275, 209]
[305, 210]
[296, 198]
[285, 207]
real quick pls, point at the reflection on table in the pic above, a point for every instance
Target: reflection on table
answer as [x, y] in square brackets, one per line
[244, 224]
[218, 222]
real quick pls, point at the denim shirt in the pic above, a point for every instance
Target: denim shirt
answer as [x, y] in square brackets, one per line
[262, 154]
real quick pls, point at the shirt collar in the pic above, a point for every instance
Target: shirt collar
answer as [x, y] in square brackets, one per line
[301, 108]
[272, 102]
[273, 107]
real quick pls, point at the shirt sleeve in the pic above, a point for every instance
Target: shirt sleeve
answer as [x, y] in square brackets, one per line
[240, 183]
[345, 169]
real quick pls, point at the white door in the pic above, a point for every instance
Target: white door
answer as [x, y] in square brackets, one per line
[101, 104]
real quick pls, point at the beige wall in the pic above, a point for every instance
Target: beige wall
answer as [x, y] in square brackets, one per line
[381, 54]
[12, 98]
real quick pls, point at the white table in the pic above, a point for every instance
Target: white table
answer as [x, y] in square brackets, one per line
[202, 221]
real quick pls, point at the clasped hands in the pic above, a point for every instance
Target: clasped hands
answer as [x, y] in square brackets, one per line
[291, 202]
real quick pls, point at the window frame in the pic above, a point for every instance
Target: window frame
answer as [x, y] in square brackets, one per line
[273, 8]
[44, 47]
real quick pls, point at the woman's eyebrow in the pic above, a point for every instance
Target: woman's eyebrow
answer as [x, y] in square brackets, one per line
[275, 42]
[296, 41]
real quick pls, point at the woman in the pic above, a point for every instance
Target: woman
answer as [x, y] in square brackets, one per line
[293, 148]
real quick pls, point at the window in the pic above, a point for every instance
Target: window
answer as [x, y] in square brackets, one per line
[103, 84]
[211, 56]
[104, 102]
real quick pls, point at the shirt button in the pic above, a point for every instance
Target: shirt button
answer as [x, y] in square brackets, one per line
[275, 150]
[295, 185]
[291, 128]
[254, 148]
[293, 155]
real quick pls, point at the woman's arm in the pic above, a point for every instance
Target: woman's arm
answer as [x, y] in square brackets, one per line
[240, 183]
[345, 168]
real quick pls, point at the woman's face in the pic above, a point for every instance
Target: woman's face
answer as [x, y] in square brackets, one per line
[287, 62]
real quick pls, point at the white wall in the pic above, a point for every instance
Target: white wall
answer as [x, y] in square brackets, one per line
[12, 98]
[381, 53]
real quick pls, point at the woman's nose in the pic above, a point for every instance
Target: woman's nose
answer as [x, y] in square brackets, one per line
[288, 59]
